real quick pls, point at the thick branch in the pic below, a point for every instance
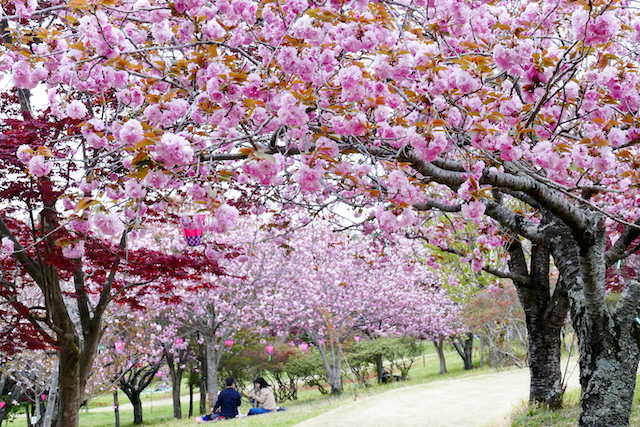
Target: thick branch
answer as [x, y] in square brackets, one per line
[549, 199]
[516, 223]
[627, 306]
[618, 249]
[106, 289]
[432, 204]
[83, 300]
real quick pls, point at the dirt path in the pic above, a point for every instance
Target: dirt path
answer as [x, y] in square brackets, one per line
[477, 401]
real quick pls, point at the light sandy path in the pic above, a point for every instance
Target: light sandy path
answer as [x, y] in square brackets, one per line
[476, 401]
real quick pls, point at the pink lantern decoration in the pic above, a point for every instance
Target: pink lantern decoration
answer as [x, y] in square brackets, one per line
[159, 374]
[228, 343]
[304, 346]
[356, 338]
[320, 342]
[192, 229]
[44, 397]
[119, 346]
[269, 351]
[178, 341]
[2, 404]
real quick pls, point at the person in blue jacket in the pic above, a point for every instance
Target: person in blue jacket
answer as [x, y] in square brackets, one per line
[228, 401]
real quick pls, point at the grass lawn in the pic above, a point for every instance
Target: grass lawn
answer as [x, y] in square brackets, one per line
[310, 403]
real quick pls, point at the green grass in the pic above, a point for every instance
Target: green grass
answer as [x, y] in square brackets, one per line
[310, 403]
[541, 416]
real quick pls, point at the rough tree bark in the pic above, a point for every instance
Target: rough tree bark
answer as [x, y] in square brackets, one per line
[609, 352]
[464, 347]
[545, 314]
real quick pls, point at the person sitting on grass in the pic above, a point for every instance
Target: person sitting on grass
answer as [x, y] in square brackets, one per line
[228, 401]
[264, 396]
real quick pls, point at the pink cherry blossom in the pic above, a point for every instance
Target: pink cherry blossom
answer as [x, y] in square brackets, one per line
[134, 189]
[131, 132]
[173, 150]
[74, 250]
[76, 110]
[24, 153]
[225, 218]
[474, 209]
[309, 178]
[7, 245]
[109, 225]
[39, 167]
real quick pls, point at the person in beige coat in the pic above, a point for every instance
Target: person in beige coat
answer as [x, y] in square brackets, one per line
[264, 397]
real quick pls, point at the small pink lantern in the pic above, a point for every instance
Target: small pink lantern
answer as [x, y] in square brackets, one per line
[320, 342]
[356, 338]
[228, 343]
[119, 346]
[44, 397]
[159, 374]
[192, 229]
[269, 351]
[304, 346]
[2, 404]
[178, 341]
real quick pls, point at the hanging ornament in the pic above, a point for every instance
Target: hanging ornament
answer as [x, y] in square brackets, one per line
[44, 397]
[119, 346]
[356, 338]
[228, 343]
[304, 347]
[178, 341]
[2, 404]
[269, 351]
[192, 229]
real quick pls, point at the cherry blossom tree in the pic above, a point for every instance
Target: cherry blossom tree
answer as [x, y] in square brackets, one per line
[128, 358]
[212, 307]
[331, 286]
[520, 113]
[71, 294]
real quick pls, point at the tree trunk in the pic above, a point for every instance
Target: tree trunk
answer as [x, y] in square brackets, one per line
[190, 399]
[379, 368]
[608, 348]
[607, 395]
[137, 408]
[465, 350]
[212, 373]
[116, 408]
[333, 368]
[440, 350]
[544, 365]
[608, 365]
[545, 314]
[70, 391]
[175, 391]
[203, 395]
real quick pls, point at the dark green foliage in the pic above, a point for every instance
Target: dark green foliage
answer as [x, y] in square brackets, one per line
[369, 356]
[286, 369]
